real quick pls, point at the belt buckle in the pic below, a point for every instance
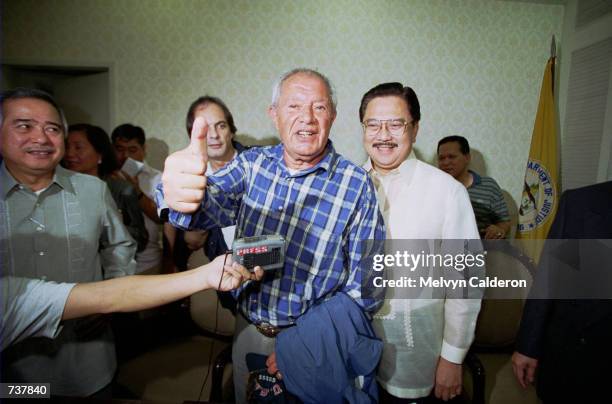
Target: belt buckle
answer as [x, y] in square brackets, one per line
[268, 329]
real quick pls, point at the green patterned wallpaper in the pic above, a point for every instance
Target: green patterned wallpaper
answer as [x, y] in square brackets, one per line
[476, 65]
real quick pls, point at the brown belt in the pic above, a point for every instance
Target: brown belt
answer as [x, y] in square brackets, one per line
[269, 330]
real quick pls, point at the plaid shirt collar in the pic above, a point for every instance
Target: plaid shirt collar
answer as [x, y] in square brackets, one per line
[277, 153]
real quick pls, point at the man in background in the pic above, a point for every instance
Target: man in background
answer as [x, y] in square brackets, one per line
[129, 141]
[221, 149]
[60, 226]
[487, 199]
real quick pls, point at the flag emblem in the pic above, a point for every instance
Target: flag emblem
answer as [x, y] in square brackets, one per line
[538, 199]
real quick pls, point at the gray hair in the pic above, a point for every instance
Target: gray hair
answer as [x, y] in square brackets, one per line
[23, 92]
[276, 90]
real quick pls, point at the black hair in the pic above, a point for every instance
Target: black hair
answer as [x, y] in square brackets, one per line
[464, 146]
[392, 89]
[204, 100]
[128, 132]
[101, 143]
[23, 92]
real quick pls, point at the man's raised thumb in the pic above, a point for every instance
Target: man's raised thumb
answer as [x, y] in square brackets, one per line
[198, 136]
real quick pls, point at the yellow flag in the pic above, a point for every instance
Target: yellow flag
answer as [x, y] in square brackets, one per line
[540, 186]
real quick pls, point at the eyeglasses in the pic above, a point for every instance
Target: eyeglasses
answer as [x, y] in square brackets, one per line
[395, 127]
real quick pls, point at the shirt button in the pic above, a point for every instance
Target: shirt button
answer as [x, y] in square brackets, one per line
[41, 253]
[280, 208]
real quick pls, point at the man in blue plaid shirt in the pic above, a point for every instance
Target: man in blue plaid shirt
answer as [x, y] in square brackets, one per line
[322, 204]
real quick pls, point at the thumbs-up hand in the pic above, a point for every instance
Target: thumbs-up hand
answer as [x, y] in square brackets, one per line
[199, 130]
[184, 176]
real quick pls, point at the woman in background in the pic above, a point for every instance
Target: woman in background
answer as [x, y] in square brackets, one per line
[89, 151]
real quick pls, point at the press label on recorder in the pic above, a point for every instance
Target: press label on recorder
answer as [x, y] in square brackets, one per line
[268, 252]
[252, 250]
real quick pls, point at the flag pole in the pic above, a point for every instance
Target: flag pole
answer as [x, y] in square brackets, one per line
[540, 185]
[553, 55]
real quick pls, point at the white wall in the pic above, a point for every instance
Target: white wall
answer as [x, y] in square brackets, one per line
[86, 99]
[476, 65]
